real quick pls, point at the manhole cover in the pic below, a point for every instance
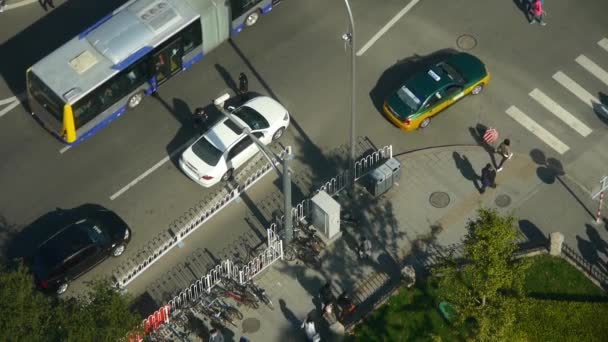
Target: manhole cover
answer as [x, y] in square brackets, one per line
[466, 42]
[503, 200]
[439, 199]
[250, 325]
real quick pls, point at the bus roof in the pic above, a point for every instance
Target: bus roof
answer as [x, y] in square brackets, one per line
[111, 45]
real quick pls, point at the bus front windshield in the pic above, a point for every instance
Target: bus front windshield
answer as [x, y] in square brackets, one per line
[44, 96]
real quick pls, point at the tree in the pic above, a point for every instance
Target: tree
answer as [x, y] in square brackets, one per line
[26, 314]
[480, 284]
[103, 314]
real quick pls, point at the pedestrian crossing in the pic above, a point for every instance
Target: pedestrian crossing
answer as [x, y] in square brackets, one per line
[574, 85]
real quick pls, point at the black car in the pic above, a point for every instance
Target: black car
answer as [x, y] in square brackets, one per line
[85, 236]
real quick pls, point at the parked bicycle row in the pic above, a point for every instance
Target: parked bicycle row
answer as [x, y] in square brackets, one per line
[218, 310]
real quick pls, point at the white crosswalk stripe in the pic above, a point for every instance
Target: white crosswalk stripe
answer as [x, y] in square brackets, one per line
[537, 130]
[560, 112]
[593, 68]
[603, 43]
[575, 89]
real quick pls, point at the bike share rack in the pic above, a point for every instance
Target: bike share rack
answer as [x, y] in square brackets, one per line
[271, 254]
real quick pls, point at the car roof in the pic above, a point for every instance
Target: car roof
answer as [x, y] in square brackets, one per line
[64, 243]
[426, 82]
[222, 135]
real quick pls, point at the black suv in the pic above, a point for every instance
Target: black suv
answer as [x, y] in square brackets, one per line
[86, 236]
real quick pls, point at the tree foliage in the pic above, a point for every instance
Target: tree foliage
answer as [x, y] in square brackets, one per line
[103, 314]
[25, 313]
[478, 284]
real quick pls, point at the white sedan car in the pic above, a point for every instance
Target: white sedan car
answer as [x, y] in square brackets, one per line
[224, 148]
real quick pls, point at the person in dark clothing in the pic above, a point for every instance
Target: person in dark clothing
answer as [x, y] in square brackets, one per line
[326, 294]
[243, 87]
[488, 176]
[216, 336]
[201, 118]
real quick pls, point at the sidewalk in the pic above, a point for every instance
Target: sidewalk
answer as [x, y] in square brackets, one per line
[434, 200]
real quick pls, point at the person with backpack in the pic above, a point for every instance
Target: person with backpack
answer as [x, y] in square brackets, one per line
[538, 12]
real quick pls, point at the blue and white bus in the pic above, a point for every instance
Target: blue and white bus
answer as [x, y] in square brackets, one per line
[109, 68]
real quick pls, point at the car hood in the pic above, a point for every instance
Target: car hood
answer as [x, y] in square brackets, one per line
[269, 108]
[471, 67]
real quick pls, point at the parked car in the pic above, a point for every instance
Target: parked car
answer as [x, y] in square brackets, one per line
[429, 92]
[225, 147]
[85, 236]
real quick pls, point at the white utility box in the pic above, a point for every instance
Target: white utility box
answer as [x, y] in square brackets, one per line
[326, 215]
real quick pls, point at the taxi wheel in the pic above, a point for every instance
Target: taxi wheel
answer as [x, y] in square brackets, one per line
[136, 99]
[425, 123]
[478, 89]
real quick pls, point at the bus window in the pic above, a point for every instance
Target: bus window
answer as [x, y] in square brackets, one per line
[45, 96]
[109, 93]
[240, 7]
[192, 36]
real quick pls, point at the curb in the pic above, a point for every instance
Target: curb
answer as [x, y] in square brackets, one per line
[16, 4]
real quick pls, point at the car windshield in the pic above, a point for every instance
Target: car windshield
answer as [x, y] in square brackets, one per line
[72, 239]
[408, 97]
[206, 151]
[251, 117]
[451, 72]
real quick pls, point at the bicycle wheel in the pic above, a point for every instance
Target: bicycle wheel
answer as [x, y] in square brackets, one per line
[290, 253]
[234, 312]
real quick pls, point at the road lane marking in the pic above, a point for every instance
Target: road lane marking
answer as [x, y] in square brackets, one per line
[593, 68]
[11, 103]
[560, 112]
[537, 130]
[9, 108]
[152, 169]
[20, 4]
[603, 43]
[386, 27]
[575, 89]
[64, 149]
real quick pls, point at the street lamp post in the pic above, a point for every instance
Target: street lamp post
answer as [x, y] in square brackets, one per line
[350, 38]
[285, 174]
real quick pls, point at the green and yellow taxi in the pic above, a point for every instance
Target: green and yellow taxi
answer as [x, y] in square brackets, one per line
[429, 92]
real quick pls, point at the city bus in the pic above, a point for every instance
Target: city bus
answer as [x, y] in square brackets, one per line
[108, 69]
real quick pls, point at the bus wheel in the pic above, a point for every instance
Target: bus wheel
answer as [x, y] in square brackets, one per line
[136, 99]
[252, 18]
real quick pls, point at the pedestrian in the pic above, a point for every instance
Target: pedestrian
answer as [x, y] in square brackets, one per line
[488, 176]
[200, 118]
[326, 295]
[504, 149]
[243, 87]
[45, 3]
[365, 248]
[2, 5]
[538, 12]
[309, 328]
[216, 336]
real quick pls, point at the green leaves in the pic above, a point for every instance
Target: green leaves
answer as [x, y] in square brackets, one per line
[28, 315]
[479, 284]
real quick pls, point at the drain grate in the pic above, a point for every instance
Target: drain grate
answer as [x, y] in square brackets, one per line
[439, 199]
[250, 325]
[466, 42]
[503, 200]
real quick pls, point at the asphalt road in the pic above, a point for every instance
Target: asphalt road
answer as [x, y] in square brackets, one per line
[296, 55]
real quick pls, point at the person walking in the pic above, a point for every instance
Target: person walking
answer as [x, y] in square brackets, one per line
[538, 12]
[326, 295]
[216, 336]
[309, 328]
[365, 248]
[488, 176]
[2, 5]
[504, 149]
[243, 87]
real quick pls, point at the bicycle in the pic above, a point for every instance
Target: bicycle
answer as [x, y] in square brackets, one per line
[243, 298]
[298, 250]
[260, 293]
[226, 309]
[204, 308]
